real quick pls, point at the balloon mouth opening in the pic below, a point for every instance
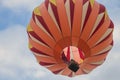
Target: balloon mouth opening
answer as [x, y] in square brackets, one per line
[73, 57]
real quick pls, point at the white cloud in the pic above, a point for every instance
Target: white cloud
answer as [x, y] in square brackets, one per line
[18, 5]
[15, 58]
[116, 33]
[110, 69]
[18, 63]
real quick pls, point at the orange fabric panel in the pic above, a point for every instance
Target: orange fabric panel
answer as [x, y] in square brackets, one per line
[75, 41]
[102, 45]
[76, 29]
[66, 71]
[42, 48]
[88, 67]
[50, 23]
[42, 34]
[79, 72]
[45, 59]
[63, 18]
[99, 33]
[90, 22]
[84, 47]
[57, 56]
[94, 59]
[57, 67]
[67, 41]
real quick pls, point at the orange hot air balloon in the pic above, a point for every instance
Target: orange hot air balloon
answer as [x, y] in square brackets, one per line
[70, 37]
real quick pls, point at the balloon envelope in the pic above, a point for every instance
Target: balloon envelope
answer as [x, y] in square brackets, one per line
[70, 37]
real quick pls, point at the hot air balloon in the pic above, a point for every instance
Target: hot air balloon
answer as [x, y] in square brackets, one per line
[70, 37]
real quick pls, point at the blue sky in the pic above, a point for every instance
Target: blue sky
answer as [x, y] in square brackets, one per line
[18, 63]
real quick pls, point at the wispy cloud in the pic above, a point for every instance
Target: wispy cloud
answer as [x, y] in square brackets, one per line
[15, 58]
[18, 63]
[17, 5]
[116, 33]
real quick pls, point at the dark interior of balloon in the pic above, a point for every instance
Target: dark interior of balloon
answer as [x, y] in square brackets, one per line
[73, 57]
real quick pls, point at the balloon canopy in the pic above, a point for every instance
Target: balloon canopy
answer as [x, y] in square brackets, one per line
[70, 37]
